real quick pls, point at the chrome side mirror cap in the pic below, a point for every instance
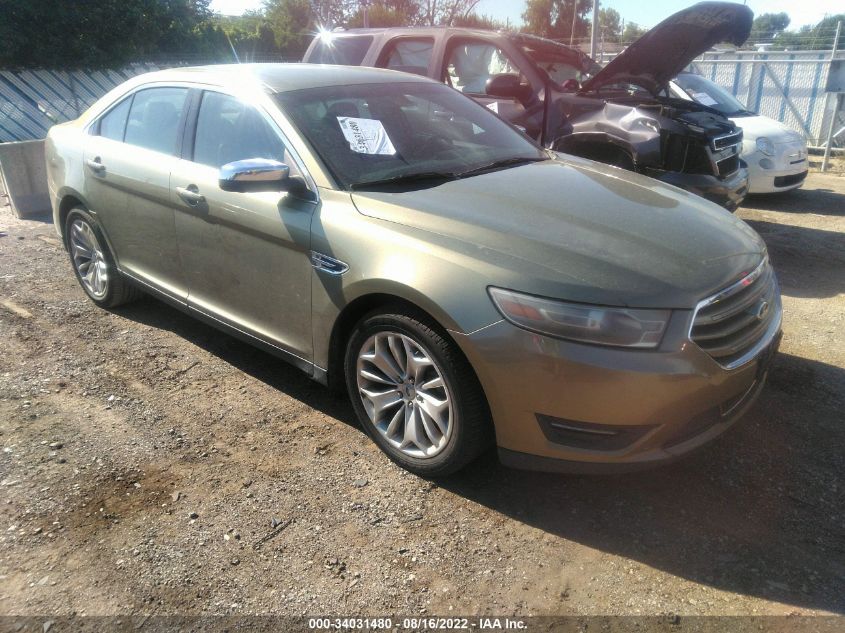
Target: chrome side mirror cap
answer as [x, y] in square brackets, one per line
[255, 174]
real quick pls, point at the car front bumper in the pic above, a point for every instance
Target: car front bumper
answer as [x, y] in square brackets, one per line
[564, 406]
[783, 172]
[728, 192]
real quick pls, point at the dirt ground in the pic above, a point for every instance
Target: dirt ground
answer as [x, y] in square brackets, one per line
[152, 465]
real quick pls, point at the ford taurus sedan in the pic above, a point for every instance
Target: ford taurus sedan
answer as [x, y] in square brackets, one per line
[396, 240]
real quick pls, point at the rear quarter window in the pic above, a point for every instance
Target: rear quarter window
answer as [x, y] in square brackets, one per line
[346, 51]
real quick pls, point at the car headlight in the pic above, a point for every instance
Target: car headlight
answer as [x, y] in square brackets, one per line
[766, 146]
[621, 327]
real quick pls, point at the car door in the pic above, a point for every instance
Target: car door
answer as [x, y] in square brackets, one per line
[467, 66]
[245, 256]
[128, 158]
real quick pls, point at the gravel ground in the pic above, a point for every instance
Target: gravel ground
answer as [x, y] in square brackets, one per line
[152, 465]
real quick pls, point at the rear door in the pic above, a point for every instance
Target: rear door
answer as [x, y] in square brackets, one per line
[128, 159]
[246, 256]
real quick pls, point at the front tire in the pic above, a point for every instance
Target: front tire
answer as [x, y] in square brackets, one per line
[414, 393]
[93, 264]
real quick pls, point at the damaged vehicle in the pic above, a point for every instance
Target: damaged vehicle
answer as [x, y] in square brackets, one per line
[623, 114]
[398, 241]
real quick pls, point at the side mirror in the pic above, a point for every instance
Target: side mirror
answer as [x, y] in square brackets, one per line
[571, 85]
[507, 85]
[255, 174]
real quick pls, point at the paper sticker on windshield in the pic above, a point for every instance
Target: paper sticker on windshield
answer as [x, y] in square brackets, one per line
[366, 136]
[704, 99]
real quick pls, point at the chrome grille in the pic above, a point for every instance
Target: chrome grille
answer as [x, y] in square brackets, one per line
[728, 165]
[732, 325]
[721, 142]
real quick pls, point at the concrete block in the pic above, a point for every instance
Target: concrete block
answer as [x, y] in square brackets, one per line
[23, 177]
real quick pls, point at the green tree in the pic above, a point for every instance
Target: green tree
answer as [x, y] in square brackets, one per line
[632, 32]
[610, 25]
[554, 18]
[818, 37]
[293, 23]
[380, 15]
[475, 21]
[102, 33]
[767, 25]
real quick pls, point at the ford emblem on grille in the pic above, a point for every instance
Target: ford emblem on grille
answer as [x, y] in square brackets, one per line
[762, 310]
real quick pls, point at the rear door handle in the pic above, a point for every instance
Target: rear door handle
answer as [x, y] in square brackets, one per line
[190, 195]
[96, 166]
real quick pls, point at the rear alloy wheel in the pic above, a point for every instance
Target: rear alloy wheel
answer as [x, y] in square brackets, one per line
[93, 264]
[415, 394]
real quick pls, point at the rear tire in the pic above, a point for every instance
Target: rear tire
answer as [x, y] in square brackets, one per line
[414, 392]
[93, 263]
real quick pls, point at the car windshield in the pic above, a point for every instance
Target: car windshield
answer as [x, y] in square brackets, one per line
[371, 133]
[707, 93]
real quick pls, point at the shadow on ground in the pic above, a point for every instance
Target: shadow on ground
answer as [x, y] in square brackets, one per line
[759, 512]
[808, 199]
[809, 261]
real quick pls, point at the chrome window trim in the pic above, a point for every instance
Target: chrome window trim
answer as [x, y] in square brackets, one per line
[768, 335]
[208, 87]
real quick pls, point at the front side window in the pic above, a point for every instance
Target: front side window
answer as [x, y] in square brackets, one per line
[370, 132]
[471, 64]
[154, 118]
[410, 55]
[113, 124]
[229, 130]
[345, 50]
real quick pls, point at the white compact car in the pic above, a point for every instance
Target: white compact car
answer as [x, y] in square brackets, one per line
[776, 154]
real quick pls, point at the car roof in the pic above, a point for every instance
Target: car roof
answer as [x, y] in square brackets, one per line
[280, 77]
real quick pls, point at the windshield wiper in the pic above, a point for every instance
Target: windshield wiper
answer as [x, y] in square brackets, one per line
[501, 164]
[406, 178]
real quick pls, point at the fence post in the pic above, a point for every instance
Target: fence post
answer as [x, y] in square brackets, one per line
[836, 102]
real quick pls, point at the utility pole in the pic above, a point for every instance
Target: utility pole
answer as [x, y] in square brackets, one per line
[837, 100]
[574, 15]
[365, 5]
[594, 29]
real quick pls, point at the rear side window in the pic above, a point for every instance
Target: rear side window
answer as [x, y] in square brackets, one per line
[230, 130]
[344, 50]
[154, 118]
[113, 125]
[409, 55]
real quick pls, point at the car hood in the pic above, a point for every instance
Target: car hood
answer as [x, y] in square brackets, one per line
[754, 127]
[577, 230]
[669, 47]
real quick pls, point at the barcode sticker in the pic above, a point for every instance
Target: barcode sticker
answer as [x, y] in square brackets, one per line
[366, 136]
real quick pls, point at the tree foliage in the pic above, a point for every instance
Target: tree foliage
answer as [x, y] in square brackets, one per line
[102, 33]
[610, 25]
[767, 25]
[65, 34]
[632, 32]
[554, 18]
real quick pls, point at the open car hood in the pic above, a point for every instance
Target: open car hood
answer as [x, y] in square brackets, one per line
[669, 47]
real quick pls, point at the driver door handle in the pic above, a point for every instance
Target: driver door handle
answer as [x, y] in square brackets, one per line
[190, 195]
[96, 166]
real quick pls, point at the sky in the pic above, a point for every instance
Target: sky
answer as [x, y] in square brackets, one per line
[643, 12]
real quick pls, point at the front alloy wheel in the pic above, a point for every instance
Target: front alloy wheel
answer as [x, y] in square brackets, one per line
[404, 394]
[414, 393]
